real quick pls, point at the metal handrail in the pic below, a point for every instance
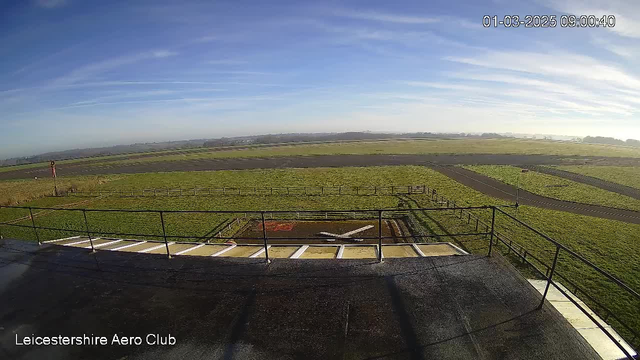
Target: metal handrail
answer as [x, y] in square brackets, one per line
[372, 214]
[574, 254]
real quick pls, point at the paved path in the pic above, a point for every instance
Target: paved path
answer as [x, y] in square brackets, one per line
[495, 188]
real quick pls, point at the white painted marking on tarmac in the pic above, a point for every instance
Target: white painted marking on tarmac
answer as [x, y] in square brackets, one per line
[189, 249]
[105, 244]
[67, 238]
[417, 249]
[79, 242]
[155, 247]
[259, 252]
[340, 252]
[224, 250]
[299, 252]
[128, 246]
[457, 248]
[328, 234]
[348, 234]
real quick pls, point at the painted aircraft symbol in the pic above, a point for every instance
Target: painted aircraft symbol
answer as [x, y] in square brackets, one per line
[346, 235]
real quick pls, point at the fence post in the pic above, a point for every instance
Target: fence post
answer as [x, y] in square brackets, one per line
[86, 225]
[33, 223]
[493, 224]
[264, 237]
[549, 279]
[392, 188]
[379, 236]
[164, 235]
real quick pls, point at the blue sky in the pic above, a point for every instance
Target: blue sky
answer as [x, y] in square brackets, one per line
[94, 73]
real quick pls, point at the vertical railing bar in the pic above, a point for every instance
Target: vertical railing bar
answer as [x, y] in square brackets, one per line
[86, 224]
[493, 224]
[550, 278]
[164, 234]
[264, 238]
[33, 223]
[379, 235]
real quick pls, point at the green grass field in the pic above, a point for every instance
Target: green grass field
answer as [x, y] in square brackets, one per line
[609, 244]
[15, 192]
[556, 187]
[624, 175]
[426, 146]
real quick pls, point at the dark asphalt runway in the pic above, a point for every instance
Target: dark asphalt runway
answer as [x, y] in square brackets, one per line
[94, 168]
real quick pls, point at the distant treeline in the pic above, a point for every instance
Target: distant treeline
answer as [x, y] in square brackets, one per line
[610, 141]
[103, 151]
[232, 141]
[347, 136]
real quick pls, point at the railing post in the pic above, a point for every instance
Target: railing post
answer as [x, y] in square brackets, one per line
[493, 224]
[379, 236]
[86, 225]
[164, 234]
[264, 237]
[550, 278]
[33, 223]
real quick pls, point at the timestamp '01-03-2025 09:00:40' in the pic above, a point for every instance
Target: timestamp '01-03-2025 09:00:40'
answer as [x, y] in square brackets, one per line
[549, 21]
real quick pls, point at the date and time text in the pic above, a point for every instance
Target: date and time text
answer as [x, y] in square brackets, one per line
[549, 21]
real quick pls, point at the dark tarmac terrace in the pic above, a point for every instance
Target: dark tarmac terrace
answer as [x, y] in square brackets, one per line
[449, 307]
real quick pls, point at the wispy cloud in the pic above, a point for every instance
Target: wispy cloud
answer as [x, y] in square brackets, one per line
[50, 4]
[349, 34]
[226, 62]
[384, 17]
[562, 64]
[164, 53]
[88, 71]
